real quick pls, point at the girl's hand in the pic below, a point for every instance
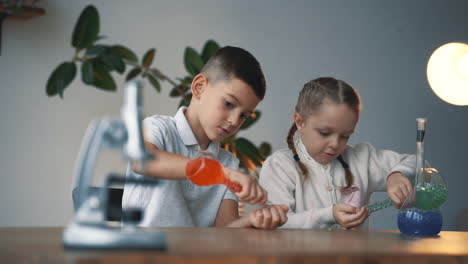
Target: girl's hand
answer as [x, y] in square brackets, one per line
[269, 217]
[398, 188]
[251, 191]
[349, 216]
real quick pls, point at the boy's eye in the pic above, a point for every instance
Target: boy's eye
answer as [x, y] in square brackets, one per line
[244, 116]
[228, 104]
[345, 137]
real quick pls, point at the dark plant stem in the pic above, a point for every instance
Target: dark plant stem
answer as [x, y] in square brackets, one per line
[161, 75]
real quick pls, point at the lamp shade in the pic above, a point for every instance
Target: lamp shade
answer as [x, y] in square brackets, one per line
[447, 73]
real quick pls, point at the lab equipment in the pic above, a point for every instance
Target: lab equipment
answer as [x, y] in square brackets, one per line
[419, 214]
[89, 228]
[429, 195]
[431, 190]
[205, 170]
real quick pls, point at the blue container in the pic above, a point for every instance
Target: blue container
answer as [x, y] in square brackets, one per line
[420, 222]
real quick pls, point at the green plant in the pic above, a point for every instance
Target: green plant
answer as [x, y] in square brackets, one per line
[98, 61]
[18, 9]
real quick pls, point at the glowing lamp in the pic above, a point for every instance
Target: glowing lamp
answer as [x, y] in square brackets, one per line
[447, 73]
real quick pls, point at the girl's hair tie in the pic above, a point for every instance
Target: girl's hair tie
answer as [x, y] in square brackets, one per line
[296, 158]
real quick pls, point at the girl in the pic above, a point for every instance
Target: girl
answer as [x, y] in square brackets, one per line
[325, 182]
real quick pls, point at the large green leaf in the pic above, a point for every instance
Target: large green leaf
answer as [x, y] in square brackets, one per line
[114, 62]
[246, 163]
[185, 101]
[228, 141]
[247, 148]
[87, 72]
[187, 81]
[86, 29]
[265, 149]
[154, 82]
[132, 74]
[96, 50]
[178, 90]
[192, 61]
[209, 50]
[251, 120]
[148, 57]
[175, 91]
[100, 66]
[60, 78]
[102, 79]
[124, 53]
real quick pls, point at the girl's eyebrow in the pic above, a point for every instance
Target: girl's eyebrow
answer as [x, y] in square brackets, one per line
[331, 129]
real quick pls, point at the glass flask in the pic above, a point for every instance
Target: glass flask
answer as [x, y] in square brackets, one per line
[204, 170]
[419, 214]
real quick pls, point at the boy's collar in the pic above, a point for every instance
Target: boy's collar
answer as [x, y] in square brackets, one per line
[186, 132]
[183, 127]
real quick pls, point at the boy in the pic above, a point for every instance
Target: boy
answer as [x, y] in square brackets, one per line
[224, 95]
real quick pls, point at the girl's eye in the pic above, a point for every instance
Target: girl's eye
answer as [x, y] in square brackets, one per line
[244, 116]
[345, 137]
[324, 133]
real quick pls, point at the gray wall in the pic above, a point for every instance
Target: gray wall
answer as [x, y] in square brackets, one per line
[379, 47]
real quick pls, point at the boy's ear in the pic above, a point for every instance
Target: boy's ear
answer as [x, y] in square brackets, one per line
[299, 121]
[199, 83]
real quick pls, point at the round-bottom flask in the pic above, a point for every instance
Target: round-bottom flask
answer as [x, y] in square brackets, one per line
[419, 214]
[415, 221]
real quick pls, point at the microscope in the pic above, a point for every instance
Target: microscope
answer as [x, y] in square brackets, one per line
[89, 228]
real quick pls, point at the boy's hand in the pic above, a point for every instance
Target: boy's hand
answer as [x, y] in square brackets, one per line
[349, 216]
[398, 188]
[251, 191]
[269, 217]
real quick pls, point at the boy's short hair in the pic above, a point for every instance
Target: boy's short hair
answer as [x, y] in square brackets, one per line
[233, 62]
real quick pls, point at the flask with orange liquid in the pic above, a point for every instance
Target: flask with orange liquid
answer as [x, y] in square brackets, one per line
[205, 170]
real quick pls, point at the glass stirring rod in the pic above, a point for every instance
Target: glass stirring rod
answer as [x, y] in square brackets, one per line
[377, 206]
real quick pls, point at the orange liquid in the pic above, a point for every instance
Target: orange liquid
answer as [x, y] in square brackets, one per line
[205, 171]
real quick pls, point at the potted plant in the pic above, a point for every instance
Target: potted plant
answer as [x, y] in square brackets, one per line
[18, 9]
[97, 62]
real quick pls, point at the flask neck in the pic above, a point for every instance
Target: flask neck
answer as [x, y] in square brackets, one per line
[419, 162]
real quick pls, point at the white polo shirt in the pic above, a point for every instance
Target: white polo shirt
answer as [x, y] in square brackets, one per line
[311, 198]
[178, 202]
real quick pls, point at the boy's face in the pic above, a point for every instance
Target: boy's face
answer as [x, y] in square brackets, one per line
[326, 132]
[224, 106]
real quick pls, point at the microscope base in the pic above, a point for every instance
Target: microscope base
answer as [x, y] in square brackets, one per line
[85, 236]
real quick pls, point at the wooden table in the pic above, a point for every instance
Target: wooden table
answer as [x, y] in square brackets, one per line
[223, 245]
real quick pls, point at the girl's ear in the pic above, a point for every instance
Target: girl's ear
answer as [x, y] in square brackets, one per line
[300, 122]
[199, 83]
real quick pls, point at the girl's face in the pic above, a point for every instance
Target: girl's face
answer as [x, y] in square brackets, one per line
[326, 132]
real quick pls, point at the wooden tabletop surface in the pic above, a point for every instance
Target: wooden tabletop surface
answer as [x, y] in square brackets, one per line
[224, 245]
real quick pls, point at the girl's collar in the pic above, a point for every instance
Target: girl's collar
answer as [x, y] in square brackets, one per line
[303, 154]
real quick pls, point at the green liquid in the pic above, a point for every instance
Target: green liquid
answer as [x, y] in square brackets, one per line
[429, 196]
